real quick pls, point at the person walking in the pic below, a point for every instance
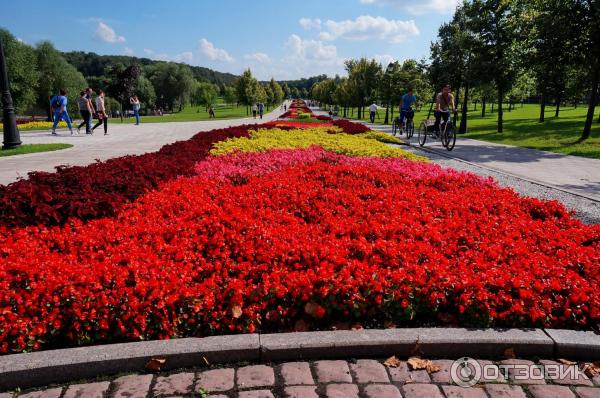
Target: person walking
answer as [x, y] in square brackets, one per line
[373, 111]
[211, 112]
[254, 109]
[59, 105]
[85, 111]
[135, 101]
[261, 108]
[101, 112]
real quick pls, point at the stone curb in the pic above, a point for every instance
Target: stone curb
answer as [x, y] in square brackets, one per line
[59, 366]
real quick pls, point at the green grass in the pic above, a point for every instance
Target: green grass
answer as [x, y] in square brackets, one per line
[195, 113]
[521, 128]
[33, 148]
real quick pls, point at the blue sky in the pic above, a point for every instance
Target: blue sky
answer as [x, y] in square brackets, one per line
[281, 39]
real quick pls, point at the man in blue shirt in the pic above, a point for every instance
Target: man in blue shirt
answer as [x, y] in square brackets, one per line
[58, 103]
[408, 100]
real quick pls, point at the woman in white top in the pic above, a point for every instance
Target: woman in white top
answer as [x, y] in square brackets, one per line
[254, 110]
[101, 112]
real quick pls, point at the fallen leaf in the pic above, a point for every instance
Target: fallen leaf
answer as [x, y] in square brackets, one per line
[389, 324]
[416, 363]
[206, 361]
[592, 370]
[566, 362]
[509, 353]
[155, 364]
[236, 311]
[392, 362]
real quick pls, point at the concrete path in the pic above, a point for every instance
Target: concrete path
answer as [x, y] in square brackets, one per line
[573, 174]
[123, 139]
[366, 378]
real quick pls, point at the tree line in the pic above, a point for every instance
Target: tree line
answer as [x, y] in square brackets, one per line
[38, 72]
[496, 52]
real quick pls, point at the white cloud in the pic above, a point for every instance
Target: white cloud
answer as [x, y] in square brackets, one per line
[108, 34]
[366, 27]
[213, 53]
[185, 56]
[258, 57]
[308, 23]
[421, 7]
[128, 51]
[311, 50]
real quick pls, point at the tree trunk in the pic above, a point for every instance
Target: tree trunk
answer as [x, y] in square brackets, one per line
[432, 104]
[392, 114]
[475, 110]
[463, 117]
[587, 130]
[345, 111]
[483, 107]
[492, 111]
[121, 111]
[542, 108]
[387, 113]
[500, 111]
[558, 99]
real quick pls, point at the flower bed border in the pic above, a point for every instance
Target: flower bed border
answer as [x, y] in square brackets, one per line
[58, 366]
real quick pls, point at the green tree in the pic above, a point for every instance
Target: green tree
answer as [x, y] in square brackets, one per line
[123, 83]
[230, 95]
[23, 74]
[277, 91]
[145, 91]
[365, 75]
[173, 84]
[246, 87]
[57, 73]
[495, 25]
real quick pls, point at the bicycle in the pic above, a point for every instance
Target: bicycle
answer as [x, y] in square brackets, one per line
[408, 125]
[445, 133]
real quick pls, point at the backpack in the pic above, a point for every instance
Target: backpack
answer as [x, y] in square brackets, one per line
[56, 102]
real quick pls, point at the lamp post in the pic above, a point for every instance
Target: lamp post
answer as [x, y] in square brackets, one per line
[11, 133]
[388, 72]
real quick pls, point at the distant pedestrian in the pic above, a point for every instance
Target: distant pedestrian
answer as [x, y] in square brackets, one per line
[136, 108]
[59, 106]
[373, 111]
[85, 111]
[284, 107]
[211, 112]
[254, 110]
[101, 112]
[261, 108]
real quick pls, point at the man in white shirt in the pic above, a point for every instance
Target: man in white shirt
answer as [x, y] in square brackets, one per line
[373, 111]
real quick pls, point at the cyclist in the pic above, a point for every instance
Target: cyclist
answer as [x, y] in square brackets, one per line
[406, 109]
[443, 103]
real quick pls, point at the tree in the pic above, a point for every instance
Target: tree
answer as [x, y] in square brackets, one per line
[23, 74]
[246, 87]
[57, 74]
[145, 91]
[495, 25]
[172, 82]
[277, 91]
[587, 15]
[365, 75]
[230, 95]
[123, 83]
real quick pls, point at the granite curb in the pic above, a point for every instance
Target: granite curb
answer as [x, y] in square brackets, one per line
[59, 366]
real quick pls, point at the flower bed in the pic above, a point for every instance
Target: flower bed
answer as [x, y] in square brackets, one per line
[316, 239]
[283, 229]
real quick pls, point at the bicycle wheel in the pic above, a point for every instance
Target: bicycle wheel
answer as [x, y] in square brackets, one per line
[423, 134]
[410, 128]
[443, 137]
[450, 137]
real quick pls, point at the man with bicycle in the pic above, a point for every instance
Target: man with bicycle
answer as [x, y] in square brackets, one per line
[443, 103]
[406, 109]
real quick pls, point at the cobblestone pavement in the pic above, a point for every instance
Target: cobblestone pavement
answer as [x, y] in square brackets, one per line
[364, 378]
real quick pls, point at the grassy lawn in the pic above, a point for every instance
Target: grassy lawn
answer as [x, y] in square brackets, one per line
[195, 113]
[521, 128]
[33, 148]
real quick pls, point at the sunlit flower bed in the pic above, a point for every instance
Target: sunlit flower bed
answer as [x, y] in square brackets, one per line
[287, 229]
[36, 125]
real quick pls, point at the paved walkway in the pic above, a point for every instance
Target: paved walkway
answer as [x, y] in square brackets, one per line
[362, 378]
[123, 139]
[570, 173]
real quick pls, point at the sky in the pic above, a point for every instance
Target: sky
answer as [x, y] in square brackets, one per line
[276, 38]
